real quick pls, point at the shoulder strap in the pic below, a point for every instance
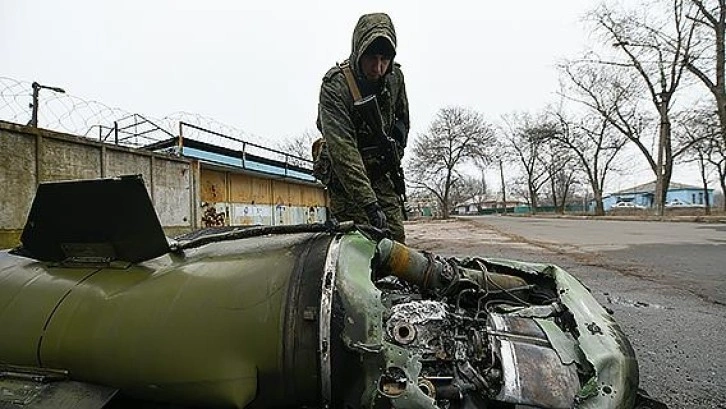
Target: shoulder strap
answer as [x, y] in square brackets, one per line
[350, 78]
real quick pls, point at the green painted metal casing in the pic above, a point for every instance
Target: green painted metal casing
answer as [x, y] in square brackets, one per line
[236, 323]
[227, 324]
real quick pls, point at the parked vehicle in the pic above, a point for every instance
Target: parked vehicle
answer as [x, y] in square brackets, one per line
[627, 205]
[680, 203]
[98, 307]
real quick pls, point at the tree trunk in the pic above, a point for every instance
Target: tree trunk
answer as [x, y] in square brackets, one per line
[597, 193]
[563, 204]
[704, 179]
[555, 203]
[532, 199]
[665, 160]
[720, 90]
[445, 202]
[504, 189]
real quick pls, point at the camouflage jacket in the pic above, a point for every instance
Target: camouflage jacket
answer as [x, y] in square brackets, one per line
[347, 136]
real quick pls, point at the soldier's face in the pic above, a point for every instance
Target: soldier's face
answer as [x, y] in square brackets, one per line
[374, 66]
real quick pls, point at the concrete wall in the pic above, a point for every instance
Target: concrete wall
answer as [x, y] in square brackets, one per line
[30, 156]
[17, 184]
[186, 193]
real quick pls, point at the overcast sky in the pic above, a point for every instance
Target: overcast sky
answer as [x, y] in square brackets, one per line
[257, 65]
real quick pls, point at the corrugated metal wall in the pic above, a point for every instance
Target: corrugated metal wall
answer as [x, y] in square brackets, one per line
[235, 199]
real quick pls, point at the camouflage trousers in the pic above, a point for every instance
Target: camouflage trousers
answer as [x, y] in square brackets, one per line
[344, 207]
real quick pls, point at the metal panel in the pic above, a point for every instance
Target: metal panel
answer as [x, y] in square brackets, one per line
[281, 192]
[35, 388]
[22, 313]
[191, 331]
[261, 191]
[240, 188]
[283, 215]
[121, 224]
[215, 214]
[297, 195]
[249, 189]
[244, 214]
[213, 185]
[293, 194]
[316, 214]
[299, 215]
[314, 197]
[251, 200]
[533, 373]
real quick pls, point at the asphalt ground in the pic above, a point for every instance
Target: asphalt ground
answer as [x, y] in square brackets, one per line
[664, 281]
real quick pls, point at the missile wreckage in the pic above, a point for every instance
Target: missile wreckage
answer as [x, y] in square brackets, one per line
[100, 311]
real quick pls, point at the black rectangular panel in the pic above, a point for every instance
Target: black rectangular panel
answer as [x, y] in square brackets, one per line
[99, 220]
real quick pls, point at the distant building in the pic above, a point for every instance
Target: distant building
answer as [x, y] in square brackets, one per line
[487, 204]
[643, 196]
[421, 204]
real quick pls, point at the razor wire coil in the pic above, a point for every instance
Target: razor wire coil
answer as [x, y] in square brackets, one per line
[92, 119]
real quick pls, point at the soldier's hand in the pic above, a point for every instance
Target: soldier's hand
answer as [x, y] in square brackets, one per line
[376, 217]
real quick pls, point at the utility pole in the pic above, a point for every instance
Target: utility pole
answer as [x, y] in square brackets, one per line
[36, 88]
[504, 189]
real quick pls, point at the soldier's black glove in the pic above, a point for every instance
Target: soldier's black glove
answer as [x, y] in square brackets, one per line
[376, 217]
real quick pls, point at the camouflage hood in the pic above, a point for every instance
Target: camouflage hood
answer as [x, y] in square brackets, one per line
[370, 27]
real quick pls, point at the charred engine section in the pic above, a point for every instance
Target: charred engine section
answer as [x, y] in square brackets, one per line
[479, 338]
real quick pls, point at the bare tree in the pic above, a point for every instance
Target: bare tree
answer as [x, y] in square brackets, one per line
[652, 45]
[519, 187]
[468, 188]
[456, 137]
[706, 60]
[700, 133]
[719, 200]
[716, 156]
[696, 133]
[562, 169]
[300, 148]
[593, 137]
[525, 140]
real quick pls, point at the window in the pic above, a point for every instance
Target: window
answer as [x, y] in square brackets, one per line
[700, 198]
[693, 198]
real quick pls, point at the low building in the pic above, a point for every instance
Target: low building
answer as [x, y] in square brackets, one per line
[421, 205]
[487, 204]
[643, 196]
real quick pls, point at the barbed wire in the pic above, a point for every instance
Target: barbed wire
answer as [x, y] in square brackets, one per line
[93, 119]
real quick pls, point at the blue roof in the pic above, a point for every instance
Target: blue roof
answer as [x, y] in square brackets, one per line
[246, 164]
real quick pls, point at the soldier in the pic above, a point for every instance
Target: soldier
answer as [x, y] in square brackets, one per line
[350, 162]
